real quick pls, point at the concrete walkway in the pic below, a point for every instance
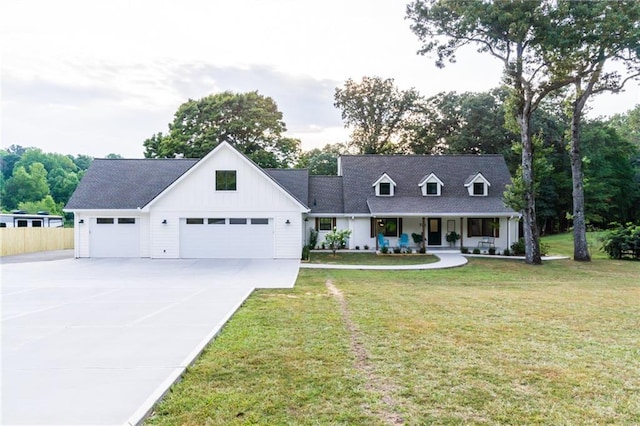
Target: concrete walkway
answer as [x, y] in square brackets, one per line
[447, 259]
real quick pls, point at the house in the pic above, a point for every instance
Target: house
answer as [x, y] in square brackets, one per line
[21, 219]
[225, 206]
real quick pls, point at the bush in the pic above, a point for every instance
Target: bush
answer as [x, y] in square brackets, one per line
[623, 241]
[357, 247]
[337, 239]
[305, 253]
[313, 238]
[422, 250]
[506, 252]
[476, 251]
[464, 250]
[397, 250]
[384, 250]
[366, 246]
[492, 250]
[417, 238]
[517, 248]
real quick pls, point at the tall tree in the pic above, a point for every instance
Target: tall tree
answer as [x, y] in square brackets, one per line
[249, 121]
[509, 31]
[322, 161]
[377, 111]
[26, 186]
[587, 35]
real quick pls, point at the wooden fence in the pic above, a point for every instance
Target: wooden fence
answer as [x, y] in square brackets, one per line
[29, 240]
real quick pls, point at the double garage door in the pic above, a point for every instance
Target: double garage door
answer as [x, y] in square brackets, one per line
[226, 238]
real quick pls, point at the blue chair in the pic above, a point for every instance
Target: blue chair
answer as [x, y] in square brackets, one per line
[404, 241]
[382, 242]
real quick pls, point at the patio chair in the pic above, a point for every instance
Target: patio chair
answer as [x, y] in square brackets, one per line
[404, 241]
[382, 242]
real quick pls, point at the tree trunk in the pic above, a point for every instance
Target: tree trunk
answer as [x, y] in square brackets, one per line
[531, 235]
[580, 247]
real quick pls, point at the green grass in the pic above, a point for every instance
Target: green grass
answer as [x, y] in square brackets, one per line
[494, 342]
[562, 244]
[351, 258]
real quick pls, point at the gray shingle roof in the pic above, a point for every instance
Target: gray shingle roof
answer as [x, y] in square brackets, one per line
[126, 184]
[326, 194]
[361, 171]
[295, 181]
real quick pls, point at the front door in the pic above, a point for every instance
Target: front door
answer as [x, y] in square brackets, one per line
[434, 234]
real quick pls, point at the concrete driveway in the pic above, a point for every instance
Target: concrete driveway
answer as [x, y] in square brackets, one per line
[98, 341]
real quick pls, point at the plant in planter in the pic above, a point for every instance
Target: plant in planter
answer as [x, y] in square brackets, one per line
[476, 251]
[366, 247]
[384, 250]
[397, 250]
[492, 250]
[464, 250]
[506, 252]
[452, 237]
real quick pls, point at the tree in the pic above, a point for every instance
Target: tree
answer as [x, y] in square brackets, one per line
[377, 111]
[587, 35]
[337, 239]
[510, 32]
[26, 186]
[249, 121]
[322, 161]
[47, 204]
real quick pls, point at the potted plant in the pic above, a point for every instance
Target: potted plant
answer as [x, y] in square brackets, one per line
[452, 237]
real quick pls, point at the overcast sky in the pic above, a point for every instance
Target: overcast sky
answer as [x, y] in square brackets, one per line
[99, 77]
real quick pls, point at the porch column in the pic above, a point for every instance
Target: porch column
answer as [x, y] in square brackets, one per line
[461, 232]
[424, 243]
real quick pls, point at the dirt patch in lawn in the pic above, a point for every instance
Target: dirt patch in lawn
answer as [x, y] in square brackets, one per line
[387, 412]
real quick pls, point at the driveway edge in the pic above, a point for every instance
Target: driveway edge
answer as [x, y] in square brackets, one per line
[143, 411]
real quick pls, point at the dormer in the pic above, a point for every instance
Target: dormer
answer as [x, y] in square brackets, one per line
[385, 186]
[431, 186]
[477, 185]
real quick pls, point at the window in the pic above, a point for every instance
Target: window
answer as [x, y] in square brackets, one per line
[225, 180]
[3, 225]
[237, 221]
[478, 188]
[216, 221]
[259, 221]
[195, 221]
[126, 220]
[104, 221]
[432, 188]
[325, 224]
[36, 224]
[22, 223]
[388, 227]
[483, 227]
[385, 188]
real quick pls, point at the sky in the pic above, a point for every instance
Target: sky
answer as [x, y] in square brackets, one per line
[100, 77]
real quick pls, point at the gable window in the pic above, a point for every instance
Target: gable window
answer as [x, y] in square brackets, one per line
[432, 188]
[478, 188]
[385, 188]
[430, 185]
[483, 227]
[477, 185]
[226, 180]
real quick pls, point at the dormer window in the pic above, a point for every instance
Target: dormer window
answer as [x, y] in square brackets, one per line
[477, 185]
[431, 186]
[385, 186]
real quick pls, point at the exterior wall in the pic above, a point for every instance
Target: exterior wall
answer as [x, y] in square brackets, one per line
[81, 235]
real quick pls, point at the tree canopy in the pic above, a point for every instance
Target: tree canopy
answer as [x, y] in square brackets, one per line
[249, 121]
[378, 112]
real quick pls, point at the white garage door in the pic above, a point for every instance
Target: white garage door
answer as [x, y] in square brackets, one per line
[226, 238]
[114, 237]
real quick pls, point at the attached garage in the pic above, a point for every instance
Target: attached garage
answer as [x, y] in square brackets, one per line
[227, 237]
[114, 237]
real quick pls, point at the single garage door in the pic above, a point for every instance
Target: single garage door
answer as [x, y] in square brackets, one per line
[226, 238]
[114, 237]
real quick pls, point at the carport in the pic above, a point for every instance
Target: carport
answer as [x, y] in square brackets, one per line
[98, 341]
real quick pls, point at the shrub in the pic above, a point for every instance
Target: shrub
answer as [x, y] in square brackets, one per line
[476, 250]
[313, 238]
[464, 250]
[422, 250]
[384, 250]
[305, 253]
[506, 252]
[623, 241]
[417, 238]
[357, 247]
[366, 246]
[397, 250]
[337, 239]
[517, 248]
[492, 250]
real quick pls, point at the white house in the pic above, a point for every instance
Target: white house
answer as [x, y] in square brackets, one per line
[225, 206]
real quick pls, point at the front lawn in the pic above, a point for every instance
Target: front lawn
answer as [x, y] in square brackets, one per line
[368, 258]
[494, 342]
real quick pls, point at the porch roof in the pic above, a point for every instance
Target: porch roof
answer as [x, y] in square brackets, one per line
[417, 206]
